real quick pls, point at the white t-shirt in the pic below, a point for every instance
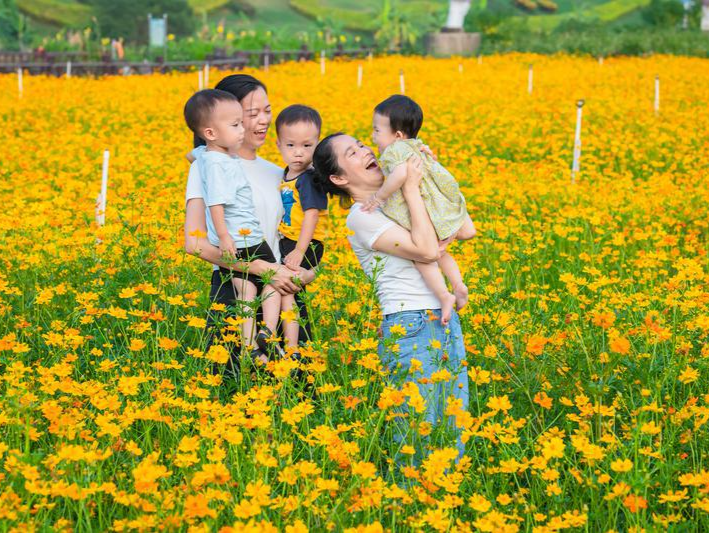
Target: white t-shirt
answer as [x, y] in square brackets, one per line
[399, 286]
[264, 178]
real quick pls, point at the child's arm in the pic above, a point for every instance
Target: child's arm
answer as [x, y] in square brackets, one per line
[193, 154]
[226, 242]
[394, 181]
[307, 230]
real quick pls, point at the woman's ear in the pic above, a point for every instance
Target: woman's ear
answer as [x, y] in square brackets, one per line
[338, 180]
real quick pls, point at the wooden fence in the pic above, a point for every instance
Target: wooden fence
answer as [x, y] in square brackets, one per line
[78, 64]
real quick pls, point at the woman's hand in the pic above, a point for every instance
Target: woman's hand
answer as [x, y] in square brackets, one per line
[414, 172]
[427, 150]
[306, 276]
[283, 280]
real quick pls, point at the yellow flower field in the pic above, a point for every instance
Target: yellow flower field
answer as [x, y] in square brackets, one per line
[587, 331]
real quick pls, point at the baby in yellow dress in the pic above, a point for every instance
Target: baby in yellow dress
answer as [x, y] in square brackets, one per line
[397, 121]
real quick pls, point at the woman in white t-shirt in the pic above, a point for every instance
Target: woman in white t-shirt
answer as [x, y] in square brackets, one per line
[387, 252]
[264, 178]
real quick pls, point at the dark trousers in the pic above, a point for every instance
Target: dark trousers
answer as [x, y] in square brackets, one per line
[222, 291]
[312, 256]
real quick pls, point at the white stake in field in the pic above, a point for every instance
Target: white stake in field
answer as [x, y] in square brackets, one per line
[101, 200]
[657, 95]
[359, 76]
[402, 84]
[20, 88]
[576, 165]
[530, 79]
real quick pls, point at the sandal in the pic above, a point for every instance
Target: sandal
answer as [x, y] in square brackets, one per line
[268, 348]
[256, 355]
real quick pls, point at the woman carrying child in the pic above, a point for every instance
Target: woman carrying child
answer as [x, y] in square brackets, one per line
[395, 127]
[264, 179]
[388, 252]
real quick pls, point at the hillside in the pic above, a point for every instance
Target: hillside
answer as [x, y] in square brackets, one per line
[361, 15]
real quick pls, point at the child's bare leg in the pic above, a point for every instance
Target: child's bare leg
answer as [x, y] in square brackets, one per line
[291, 328]
[452, 272]
[467, 231]
[434, 280]
[271, 307]
[246, 292]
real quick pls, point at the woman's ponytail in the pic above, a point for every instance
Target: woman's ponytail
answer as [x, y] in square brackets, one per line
[326, 165]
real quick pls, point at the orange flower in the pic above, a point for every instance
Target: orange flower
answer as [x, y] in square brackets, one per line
[168, 344]
[634, 503]
[364, 469]
[136, 345]
[535, 344]
[197, 233]
[197, 506]
[218, 354]
[147, 474]
[542, 399]
[620, 345]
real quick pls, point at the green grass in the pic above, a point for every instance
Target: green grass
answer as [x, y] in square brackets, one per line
[201, 6]
[567, 6]
[606, 12]
[270, 14]
[364, 15]
[363, 19]
[59, 12]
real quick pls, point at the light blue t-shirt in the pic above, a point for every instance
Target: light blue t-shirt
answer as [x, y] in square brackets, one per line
[225, 184]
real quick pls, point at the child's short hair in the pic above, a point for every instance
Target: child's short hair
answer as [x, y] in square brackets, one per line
[404, 114]
[201, 104]
[298, 113]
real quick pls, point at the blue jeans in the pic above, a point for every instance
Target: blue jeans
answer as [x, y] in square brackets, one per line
[417, 343]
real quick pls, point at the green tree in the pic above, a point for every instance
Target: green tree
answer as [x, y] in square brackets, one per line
[396, 29]
[129, 18]
[666, 13]
[10, 24]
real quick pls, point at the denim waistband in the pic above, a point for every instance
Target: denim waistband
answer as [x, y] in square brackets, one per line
[412, 311]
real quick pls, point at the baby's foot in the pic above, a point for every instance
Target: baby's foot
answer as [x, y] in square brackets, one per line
[447, 303]
[461, 296]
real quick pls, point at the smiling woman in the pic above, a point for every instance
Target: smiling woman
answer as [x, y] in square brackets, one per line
[264, 179]
[413, 336]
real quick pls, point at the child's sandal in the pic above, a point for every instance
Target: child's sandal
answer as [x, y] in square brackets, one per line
[269, 348]
[256, 355]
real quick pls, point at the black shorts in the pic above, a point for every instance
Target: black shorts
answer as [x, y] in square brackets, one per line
[312, 256]
[260, 251]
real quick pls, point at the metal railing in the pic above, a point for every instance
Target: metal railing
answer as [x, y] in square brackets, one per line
[77, 63]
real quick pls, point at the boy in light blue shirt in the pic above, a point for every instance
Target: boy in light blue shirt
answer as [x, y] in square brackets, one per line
[216, 116]
[225, 184]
